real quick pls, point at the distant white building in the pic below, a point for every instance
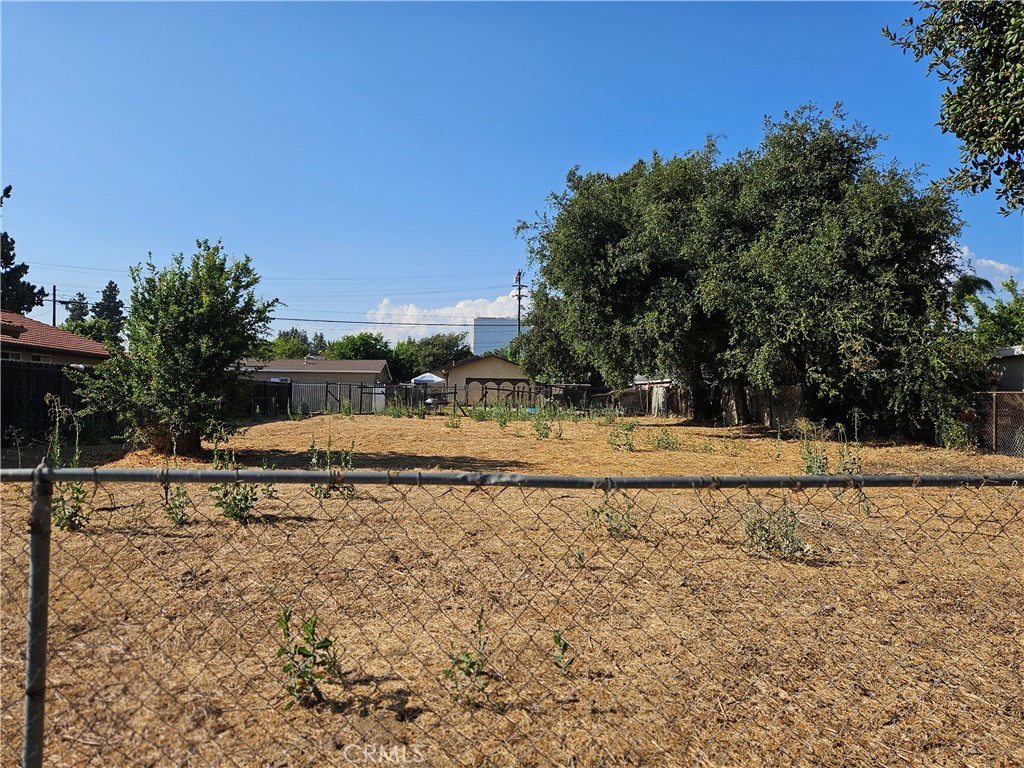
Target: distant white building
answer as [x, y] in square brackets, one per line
[490, 333]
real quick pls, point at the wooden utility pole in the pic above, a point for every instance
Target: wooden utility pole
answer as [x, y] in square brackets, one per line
[519, 301]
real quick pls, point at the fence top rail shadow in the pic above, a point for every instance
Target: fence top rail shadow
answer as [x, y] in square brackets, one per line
[45, 473]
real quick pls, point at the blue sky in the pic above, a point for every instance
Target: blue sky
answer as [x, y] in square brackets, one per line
[373, 159]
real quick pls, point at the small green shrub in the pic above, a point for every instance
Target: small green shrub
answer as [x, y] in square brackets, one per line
[621, 436]
[542, 427]
[453, 422]
[268, 490]
[325, 461]
[176, 503]
[850, 461]
[68, 510]
[619, 523]
[812, 446]
[664, 441]
[236, 500]
[310, 661]
[561, 657]
[502, 414]
[575, 559]
[771, 531]
[467, 674]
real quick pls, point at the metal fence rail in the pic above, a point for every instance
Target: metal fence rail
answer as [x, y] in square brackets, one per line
[180, 617]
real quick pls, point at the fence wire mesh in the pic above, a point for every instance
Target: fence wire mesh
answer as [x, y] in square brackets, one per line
[999, 422]
[496, 624]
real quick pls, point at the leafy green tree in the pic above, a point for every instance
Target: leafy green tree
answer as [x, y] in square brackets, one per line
[110, 308]
[292, 344]
[188, 327]
[286, 348]
[442, 349]
[804, 261]
[826, 264]
[78, 308]
[978, 49]
[16, 293]
[1000, 324]
[359, 346]
[405, 361]
[95, 329]
[318, 345]
[543, 350]
[620, 259]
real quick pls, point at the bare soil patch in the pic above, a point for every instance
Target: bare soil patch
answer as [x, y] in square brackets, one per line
[896, 637]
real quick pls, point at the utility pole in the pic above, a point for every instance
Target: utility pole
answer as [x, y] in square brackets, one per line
[55, 306]
[519, 301]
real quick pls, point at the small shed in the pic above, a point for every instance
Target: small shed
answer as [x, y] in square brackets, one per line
[486, 379]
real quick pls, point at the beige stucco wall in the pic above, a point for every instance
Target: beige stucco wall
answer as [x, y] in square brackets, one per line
[487, 368]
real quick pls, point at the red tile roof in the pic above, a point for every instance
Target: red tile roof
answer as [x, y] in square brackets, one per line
[46, 338]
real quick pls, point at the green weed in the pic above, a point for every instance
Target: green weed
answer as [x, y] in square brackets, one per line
[325, 461]
[236, 500]
[621, 436]
[664, 441]
[561, 657]
[310, 660]
[771, 531]
[68, 510]
[619, 523]
[467, 674]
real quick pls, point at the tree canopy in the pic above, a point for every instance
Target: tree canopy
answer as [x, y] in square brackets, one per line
[107, 317]
[359, 346]
[188, 327]
[441, 349]
[978, 48]
[1000, 324]
[110, 308]
[16, 293]
[807, 260]
[78, 308]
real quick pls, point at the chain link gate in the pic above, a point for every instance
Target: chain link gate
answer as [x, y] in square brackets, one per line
[286, 618]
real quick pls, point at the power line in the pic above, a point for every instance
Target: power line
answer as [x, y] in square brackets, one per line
[370, 322]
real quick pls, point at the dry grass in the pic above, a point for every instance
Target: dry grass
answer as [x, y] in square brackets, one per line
[897, 639]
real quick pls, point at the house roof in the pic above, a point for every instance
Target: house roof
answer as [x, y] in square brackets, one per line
[1017, 351]
[309, 364]
[23, 333]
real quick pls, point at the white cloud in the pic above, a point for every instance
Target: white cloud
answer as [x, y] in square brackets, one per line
[1006, 270]
[994, 271]
[458, 317]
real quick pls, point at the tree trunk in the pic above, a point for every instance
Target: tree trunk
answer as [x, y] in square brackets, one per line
[164, 441]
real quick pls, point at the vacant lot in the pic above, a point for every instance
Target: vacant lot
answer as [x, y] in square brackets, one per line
[890, 632]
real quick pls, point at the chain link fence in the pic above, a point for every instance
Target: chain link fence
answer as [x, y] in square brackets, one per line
[279, 618]
[999, 422]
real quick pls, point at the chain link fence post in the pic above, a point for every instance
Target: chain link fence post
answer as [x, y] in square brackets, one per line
[38, 615]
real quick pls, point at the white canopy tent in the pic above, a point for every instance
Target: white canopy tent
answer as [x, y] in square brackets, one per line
[428, 378]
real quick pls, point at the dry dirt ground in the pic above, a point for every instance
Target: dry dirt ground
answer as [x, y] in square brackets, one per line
[891, 634]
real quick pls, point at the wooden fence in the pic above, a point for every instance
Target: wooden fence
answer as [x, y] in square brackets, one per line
[24, 412]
